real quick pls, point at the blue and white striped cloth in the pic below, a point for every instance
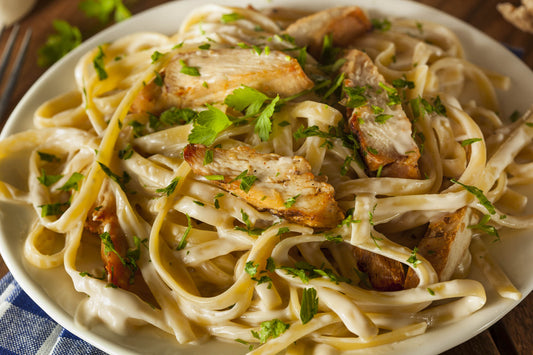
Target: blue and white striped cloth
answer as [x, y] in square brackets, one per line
[26, 329]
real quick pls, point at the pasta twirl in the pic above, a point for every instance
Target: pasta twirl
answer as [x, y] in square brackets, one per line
[340, 194]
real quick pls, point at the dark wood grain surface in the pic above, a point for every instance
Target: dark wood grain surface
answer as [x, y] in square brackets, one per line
[511, 335]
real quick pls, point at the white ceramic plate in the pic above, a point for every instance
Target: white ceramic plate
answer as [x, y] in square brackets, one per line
[514, 253]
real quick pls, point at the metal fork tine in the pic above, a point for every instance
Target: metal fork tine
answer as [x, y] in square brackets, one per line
[8, 49]
[8, 91]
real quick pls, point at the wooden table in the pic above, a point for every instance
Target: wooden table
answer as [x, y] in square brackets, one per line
[512, 334]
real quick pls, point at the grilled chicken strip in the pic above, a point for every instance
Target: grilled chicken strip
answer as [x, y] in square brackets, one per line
[104, 220]
[342, 23]
[444, 245]
[384, 134]
[384, 274]
[381, 127]
[220, 71]
[284, 186]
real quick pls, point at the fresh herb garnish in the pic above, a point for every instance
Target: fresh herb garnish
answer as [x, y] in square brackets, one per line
[183, 241]
[479, 195]
[413, 259]
[102, 9]
[72, 182]
[48, 180]
[270, 329]
[98, 64]
[170, 188]
[309, 305]
[65, 39]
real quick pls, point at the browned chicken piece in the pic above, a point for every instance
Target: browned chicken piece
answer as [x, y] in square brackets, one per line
[384, 274]
[102, 220]
[384, 134]
[344, 24]
[444, 245]
[282, 185]
[383, 130]
[219, 72]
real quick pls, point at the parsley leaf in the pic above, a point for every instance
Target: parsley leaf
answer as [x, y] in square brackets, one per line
[72, 182]
[227, 18]
[48, 157]
[54, 209]
[126, 153]
[470, 141]
[355, 96]
[246, 98]
[486, 228]
[263, 125]
[183, 241]
[270, 329]
[187, 70]
[65, 39]
[382, 25]
[102, 9]
[98, 63]
[121, 180]
[413, 259]
[479, 195]
[290, 201]
[170, 188]
[208, 125]
[246, 180]
[309, 305]
[249, 228]
[48, 180]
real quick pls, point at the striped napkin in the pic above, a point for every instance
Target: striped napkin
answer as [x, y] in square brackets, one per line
[26, 329]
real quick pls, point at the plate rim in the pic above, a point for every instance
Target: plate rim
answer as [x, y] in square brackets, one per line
[52, 308]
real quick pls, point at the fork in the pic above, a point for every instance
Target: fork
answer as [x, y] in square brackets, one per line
[17, 65]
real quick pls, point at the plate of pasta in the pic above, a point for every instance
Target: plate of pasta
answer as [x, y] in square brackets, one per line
[278, 177]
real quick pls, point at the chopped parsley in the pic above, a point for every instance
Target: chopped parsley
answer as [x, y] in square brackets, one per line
[72, 182]
[253, 103]
[102, 9]
[54, 209]
[249, 228]
[98, 64]
[156, 56]
[270, 329]
[227, 18]
[183, 241]
[382, 25]
[309, 305]
[121, 180]
[48, 180]
[158, 79]
[486, 228]
[478, 194]
[48, 157]
[290, 201]
[170, 188]
[216, 202]
[470, 141]
[305, 271]
[246, 180]
[187, 70]
[65, 39]
[207, 125]
[413, 259]
[283, 230]
[356, 97]
[126, 153]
